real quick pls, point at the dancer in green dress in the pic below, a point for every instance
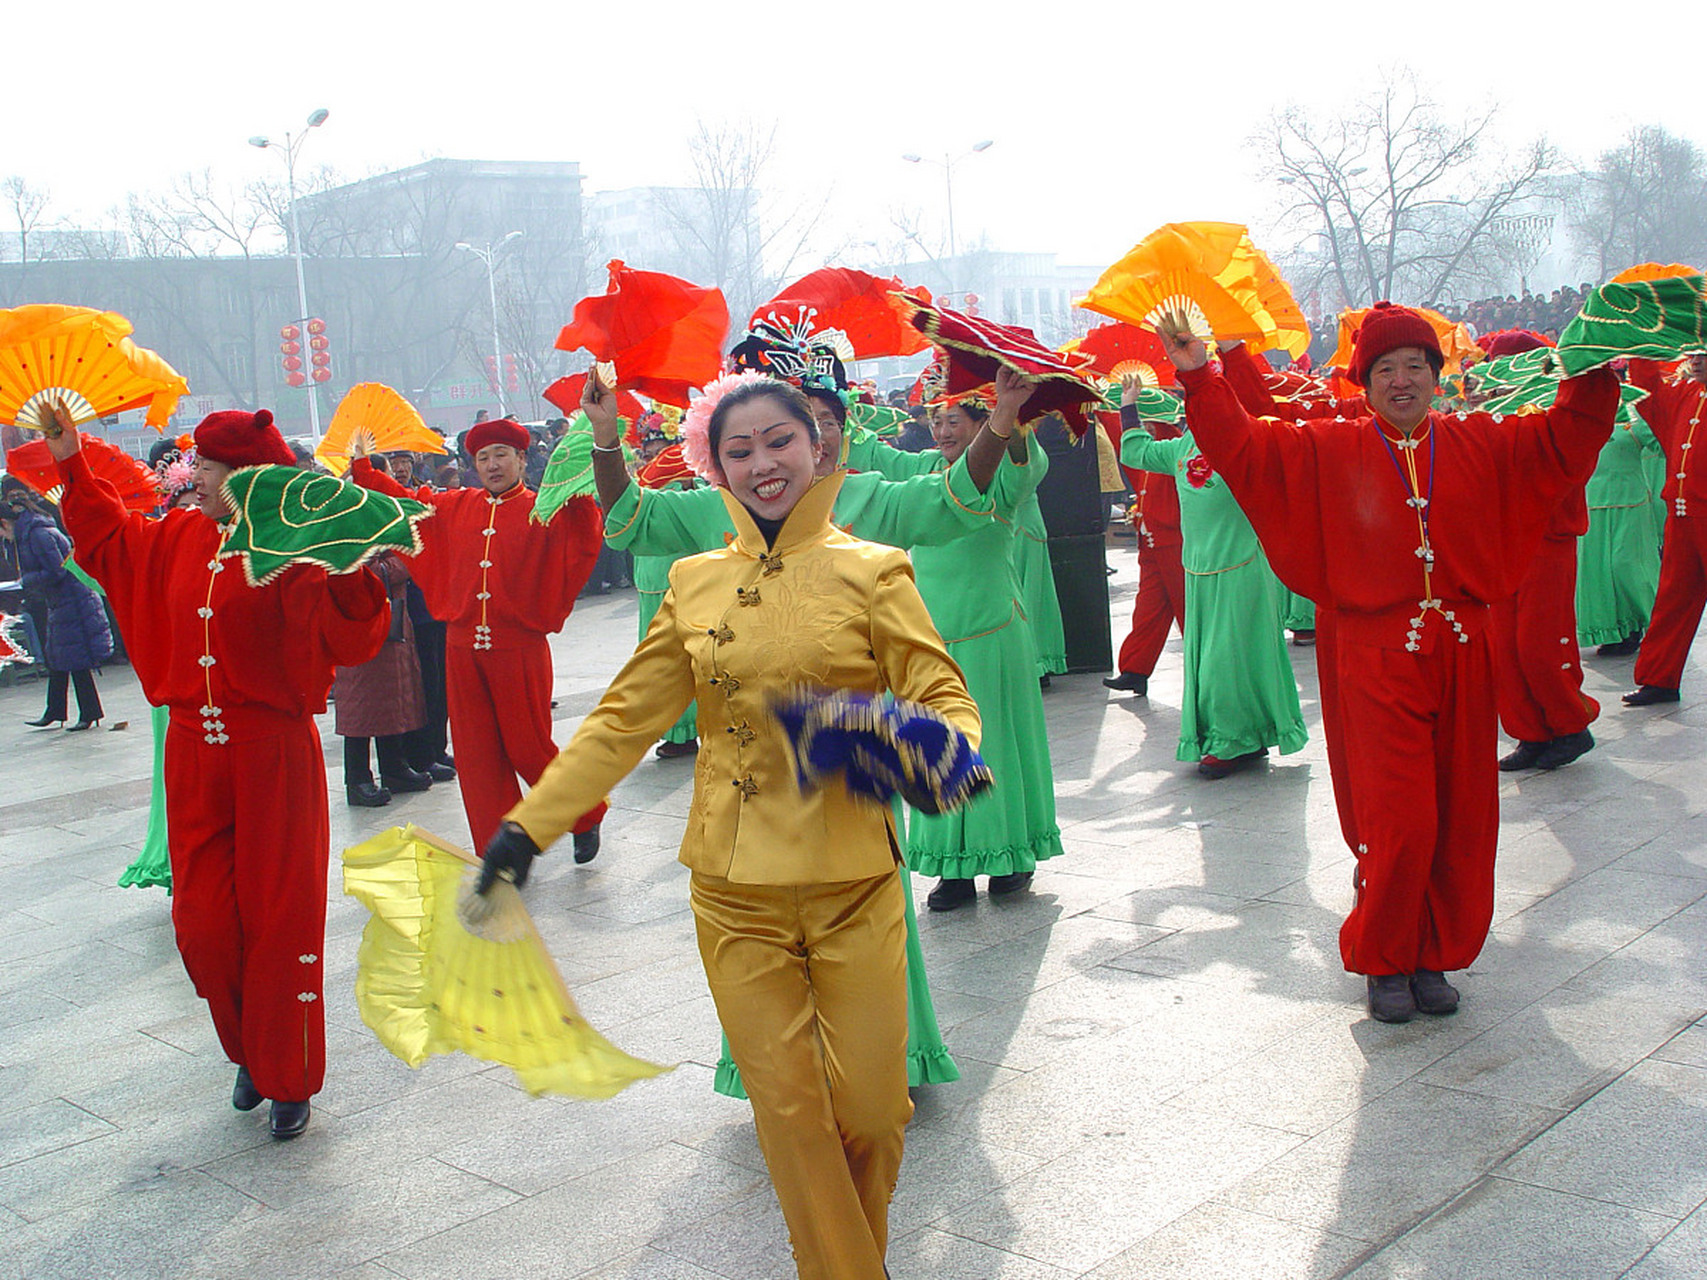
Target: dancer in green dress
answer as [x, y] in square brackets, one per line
[1241, 697]
[152, 866]
[1618, 559]
[972, 590]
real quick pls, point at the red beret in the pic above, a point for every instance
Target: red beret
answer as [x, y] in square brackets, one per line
[498, 431]
[1510, 342]
[1387, 328]
[241, 439]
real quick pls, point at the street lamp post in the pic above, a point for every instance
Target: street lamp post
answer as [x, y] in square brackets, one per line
[947, 164]
[489, 255]
[290, 146]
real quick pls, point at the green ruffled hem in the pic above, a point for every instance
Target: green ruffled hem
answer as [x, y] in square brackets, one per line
[1612, 635]
[924, 1066]
[135, 879]
[1052, 664]
[986, 862]
[1227, 748]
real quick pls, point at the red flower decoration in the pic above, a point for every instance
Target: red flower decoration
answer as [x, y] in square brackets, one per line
[1198, 471]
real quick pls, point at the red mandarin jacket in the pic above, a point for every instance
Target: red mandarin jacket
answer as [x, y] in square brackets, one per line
[1336, 514]
[530, 574]
[198, 635]
[1675, 410]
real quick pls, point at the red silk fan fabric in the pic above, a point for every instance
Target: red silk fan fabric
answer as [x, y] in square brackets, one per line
[565, 393]
[667, 467]
[1109, 345]
[664, 335]
[138, 486]
[974, 349]
[861, 305]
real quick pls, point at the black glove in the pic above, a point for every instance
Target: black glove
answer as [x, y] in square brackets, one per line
[508, 856]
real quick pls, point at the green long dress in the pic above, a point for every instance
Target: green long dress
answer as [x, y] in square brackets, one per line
[1037, 587]
[153, 866]
[1240, 693]
[972, 590]
[1618, 559]
[651, 581]
[928, 508]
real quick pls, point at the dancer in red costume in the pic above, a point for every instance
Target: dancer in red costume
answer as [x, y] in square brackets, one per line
[1408, 525]
[502, 584]
[1674, 410]
[1161, 574]
[243, 671]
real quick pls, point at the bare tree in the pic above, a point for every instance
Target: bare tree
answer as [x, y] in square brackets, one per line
[1399, 201]
[1645, 200]
[26, 208]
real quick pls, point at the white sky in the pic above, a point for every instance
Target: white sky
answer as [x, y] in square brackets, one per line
[1108, 117]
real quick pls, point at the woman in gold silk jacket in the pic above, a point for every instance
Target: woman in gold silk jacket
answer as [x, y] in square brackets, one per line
[798, 910]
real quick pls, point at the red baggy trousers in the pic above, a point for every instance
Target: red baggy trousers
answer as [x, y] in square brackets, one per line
[247, 832]
[1537, 666]
[1419, 762]
[500, 724]
[1677, 607]
[1160, 604]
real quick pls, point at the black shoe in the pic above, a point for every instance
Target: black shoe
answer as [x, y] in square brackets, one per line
[950, 894]
[1128, 682]
[1527, 756]
[1015, 882]
[244, 1095]
[289, 1119]
[447, 761]
[678, 750]
[586, 845]
[439, 771]
[1305, 638]
[1043, 682]
[1561, 751]
[1621, 648]
[1433, 993]
[81, 725]
[45, 722]
[364, 795]
[1648, 694]
[407, 781]
[1215, 767]
[1390, 998]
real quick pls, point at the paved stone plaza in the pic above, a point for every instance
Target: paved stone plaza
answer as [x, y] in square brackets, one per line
[1166, 1071]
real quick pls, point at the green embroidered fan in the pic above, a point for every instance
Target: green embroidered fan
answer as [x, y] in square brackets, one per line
[569, 470]
[284, 516]
[1660, 319]
[1154, 404]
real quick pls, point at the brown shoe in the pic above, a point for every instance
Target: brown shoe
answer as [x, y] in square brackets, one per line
[1433, 993]
[1390, 998]
[677, 750]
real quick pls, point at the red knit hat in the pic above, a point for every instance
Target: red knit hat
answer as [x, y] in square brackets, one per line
[498, 431]
[241, 439]
[1387, 328]
[1510, 342]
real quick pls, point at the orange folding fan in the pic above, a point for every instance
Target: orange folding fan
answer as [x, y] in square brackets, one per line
[388, 420]
[1205, 271]
[86, 358]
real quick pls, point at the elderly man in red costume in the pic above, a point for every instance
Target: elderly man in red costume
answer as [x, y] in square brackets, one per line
[243, 670]
[503, 584]
[1407, 525]
[1674, 410]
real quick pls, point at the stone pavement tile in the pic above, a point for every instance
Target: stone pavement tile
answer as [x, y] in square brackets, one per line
[1217, 1242]
[567, 1138]
[1606, 908]
[1640, 1142]
[646, 1264]
[47, 1126]
[1518, 1232]
[580, 1225]
[395, 1205]
[1687, 1048]
[1682, 1255]
[148, 1230]
[953, 1107]
[748, 1239]
[1536, 861]
[1662, 967]
[1389, 1163]
[685, 1033]
[111, 1068]
[1057, 1022]
[944, 1171]
[940, 1255]
[1559, 1052]
[1681, 850]
[362, 1075]
[947, 936]
[670, 980]
[1264, 946]
[1102, 1197]
[1009, 970]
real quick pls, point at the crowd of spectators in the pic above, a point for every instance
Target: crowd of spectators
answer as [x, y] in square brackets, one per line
[1544, 313]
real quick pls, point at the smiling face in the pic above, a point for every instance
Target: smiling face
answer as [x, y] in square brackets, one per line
[1401, 387]
[768, 456]
[499, 467]
[208, 477]
[954, 429]
[829, 435]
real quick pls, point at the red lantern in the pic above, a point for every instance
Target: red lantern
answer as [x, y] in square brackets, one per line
[292, 363]
[291, 348]
[296, 379]
[320, 359]
[317, 326]
[319, 344]
[321, 375]
[290, 333]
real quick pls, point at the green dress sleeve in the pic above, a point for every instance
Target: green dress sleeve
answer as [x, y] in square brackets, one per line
[1143, 452]
[924, 511]
[866, 452]
[668, 522]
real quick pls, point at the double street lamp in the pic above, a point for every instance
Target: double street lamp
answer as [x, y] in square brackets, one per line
[946, 164]
[489, 255]
[291, 145]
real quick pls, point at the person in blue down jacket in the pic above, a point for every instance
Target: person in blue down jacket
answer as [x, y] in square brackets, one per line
[78, 638]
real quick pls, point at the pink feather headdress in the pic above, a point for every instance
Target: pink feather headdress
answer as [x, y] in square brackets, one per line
[696, 425]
